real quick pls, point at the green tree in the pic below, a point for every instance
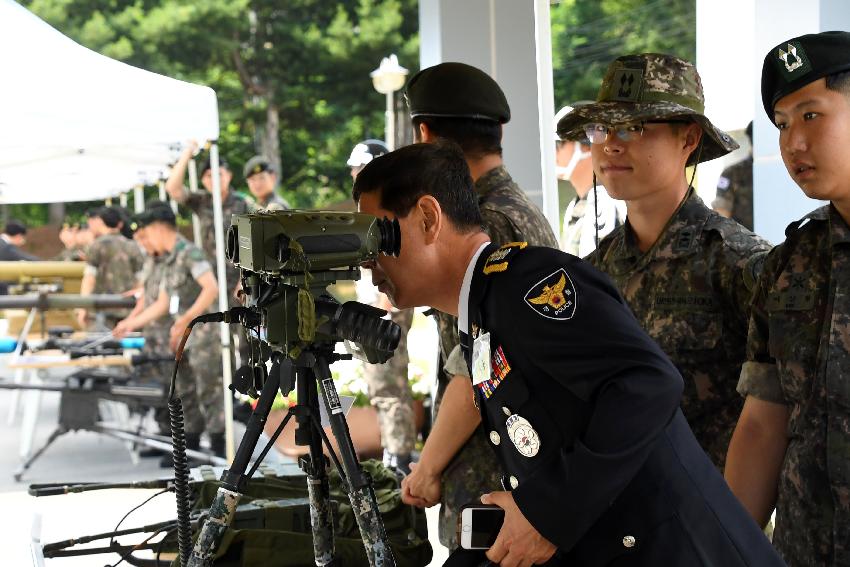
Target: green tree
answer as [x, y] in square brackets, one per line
[588, 34]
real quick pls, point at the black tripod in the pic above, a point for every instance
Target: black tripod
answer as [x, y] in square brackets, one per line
[309, 374]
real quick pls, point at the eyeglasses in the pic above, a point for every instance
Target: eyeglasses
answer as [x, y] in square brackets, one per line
[597, 132]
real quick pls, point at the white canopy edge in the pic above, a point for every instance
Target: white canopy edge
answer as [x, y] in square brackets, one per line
[76, 125]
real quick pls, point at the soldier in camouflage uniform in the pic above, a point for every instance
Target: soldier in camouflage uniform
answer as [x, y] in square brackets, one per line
[458, 470]
[187, 289]
[680, 266]
[201, 204]
[112, 264]
[791, 447]
[155, 332]
[261, 178]
[71, 252]
[735, 189]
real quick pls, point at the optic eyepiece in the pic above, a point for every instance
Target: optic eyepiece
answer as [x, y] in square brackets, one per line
[231, 250]
[390, 236]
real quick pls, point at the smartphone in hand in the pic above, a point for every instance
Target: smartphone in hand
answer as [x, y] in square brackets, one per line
[479, 525]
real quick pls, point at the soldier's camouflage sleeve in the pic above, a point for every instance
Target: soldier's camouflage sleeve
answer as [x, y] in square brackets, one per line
[759, 375]
[198, 263]
[725, 197]
[455, 364]
[498, 227]
[94, 254]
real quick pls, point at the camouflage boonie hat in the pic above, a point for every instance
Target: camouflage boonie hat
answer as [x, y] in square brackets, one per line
[650, 86]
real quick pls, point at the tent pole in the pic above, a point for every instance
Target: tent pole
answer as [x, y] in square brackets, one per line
[163, 196]
[122, 200]
[223, 291]
[138, 199]
[193, 186]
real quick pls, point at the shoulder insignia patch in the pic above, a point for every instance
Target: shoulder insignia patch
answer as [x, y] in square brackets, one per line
[553, 297]
[498, 260]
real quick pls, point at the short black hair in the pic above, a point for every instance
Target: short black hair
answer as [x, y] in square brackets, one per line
[14, 228]
[839, 82]
[111, 216]
[405, 175]
[477, 137]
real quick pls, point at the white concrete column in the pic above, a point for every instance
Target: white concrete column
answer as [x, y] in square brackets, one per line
[510, 40]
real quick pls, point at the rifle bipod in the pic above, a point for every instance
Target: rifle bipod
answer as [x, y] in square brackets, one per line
[310, 374]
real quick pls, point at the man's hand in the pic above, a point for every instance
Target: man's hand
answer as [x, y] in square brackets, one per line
[518, 543]
[135, 292]
[81, 317]
[176, 333]
[122, 328]
[420, 488]
[191, 148]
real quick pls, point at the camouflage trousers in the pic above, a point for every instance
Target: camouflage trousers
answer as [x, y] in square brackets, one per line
[389, 393]
[474, 471]
[156, 344]
[202, 393]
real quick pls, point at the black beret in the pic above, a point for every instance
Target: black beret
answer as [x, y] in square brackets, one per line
[155, 211]
[795, 63]
[257, 164]
[456, 90]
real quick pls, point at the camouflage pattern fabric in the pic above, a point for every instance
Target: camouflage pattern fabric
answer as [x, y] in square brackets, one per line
[201, 203]
[156, 337]
[649, 86]
[70, 255]
[509, 216]
[798, 354]
[389, 393]
[689, 293]
[735, 192]
[203, 397]
[118, 262]
[275, 203]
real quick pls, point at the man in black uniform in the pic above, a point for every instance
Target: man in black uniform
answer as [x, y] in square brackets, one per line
[580, 404]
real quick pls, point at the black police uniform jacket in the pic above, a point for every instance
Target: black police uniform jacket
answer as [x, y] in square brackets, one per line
[582, 408]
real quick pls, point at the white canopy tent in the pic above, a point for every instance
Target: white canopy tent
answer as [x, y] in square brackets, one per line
[76, 125]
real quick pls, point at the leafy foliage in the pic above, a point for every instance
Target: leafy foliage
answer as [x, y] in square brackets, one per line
[588, 34]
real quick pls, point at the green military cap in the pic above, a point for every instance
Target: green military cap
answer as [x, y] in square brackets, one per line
[456, 90]
[650, 86]
[257, 164]
[155, 211]
[795, 63]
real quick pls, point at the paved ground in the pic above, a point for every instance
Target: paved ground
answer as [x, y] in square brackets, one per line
[85, 456]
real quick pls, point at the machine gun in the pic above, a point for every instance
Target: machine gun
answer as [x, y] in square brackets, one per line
[287, 260]
[82, 392]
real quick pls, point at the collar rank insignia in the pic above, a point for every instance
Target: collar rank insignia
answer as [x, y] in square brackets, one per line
[498, 260]
[553, 297]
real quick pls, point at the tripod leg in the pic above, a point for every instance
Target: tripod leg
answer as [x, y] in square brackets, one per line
[361, 493]
[28, 463]
[227, 497]
[315, 467]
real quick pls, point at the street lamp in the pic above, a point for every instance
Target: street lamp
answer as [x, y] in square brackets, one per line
[387, 79]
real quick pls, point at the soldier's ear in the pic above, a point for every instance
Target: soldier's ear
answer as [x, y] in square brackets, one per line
[430, 217]
[692, 135]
